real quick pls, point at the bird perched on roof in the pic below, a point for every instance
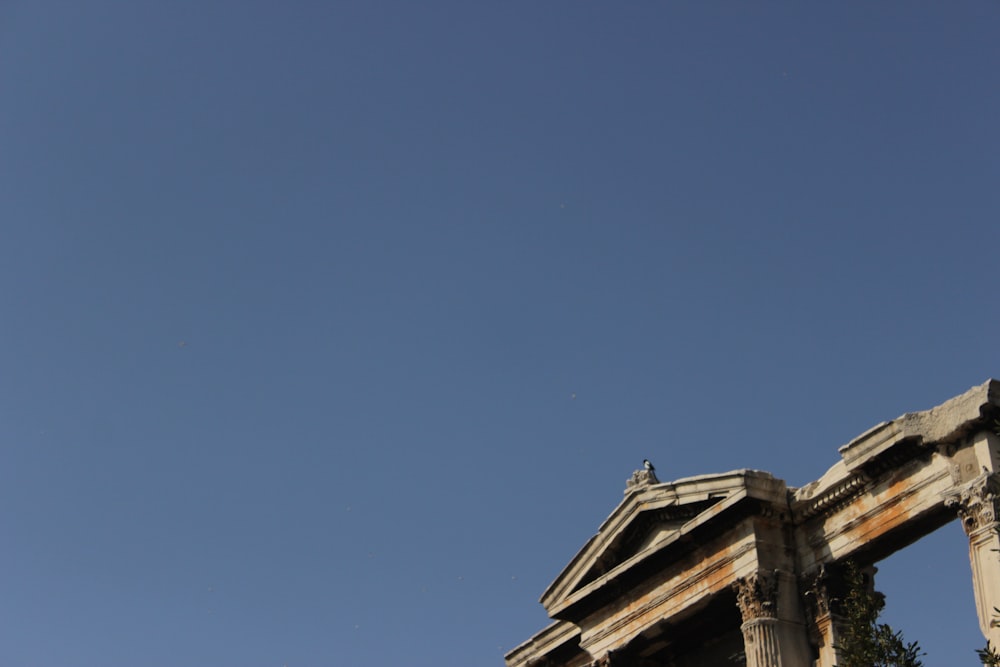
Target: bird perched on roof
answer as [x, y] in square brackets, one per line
[648, 466]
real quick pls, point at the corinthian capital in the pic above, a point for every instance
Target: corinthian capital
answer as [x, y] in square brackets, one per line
[757, 595]
[977, 503]
[824, 591]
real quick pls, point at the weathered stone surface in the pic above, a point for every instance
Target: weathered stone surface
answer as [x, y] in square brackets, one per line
[978, 506]
[678, 567]
[824, 593]
[640, 478]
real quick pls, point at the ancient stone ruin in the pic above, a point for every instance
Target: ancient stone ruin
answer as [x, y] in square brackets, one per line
[739, 568]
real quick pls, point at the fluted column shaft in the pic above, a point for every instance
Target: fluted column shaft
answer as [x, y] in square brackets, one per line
[760, 640]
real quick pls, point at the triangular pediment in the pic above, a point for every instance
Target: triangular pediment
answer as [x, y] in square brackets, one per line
[648, 527]
[649, 518]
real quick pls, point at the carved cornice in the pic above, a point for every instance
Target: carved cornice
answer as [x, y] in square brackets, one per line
[977, 503]
[905, 450]
[833, 498]
[757, 595]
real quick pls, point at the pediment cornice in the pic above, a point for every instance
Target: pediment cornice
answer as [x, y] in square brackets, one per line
[649, 520]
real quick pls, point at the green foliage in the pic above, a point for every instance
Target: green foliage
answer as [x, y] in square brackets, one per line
[866, 642]
[989, 656]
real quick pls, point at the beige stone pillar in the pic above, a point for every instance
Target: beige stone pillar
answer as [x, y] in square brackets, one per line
[829, 654]
[978, 505]
[757, 597]
[824, 593]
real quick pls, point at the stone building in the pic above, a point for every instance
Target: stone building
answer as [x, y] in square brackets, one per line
[739, 568]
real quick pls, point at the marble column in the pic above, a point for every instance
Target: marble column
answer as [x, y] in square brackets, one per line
[978, 506]
[757, 596]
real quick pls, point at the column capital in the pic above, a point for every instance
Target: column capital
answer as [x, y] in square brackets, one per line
[825, 591]
[824, 595]
[757, 595]
[977, 503]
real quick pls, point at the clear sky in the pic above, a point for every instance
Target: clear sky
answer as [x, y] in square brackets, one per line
[332, 330]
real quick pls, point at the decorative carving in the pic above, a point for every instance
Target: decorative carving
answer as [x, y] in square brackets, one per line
[640, 478]
[825, 591]
[757, 595]
[898, 454]
[977, 503]
[835, 497]
[824, 594]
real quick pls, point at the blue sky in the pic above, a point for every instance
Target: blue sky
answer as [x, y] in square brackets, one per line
[333, 330]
